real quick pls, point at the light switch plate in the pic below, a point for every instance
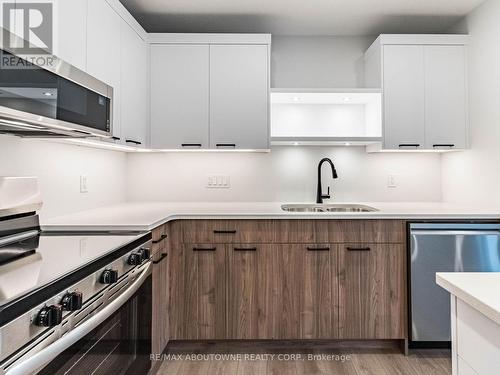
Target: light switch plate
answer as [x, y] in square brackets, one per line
[391, 181]
[84, 188]
[218, 182]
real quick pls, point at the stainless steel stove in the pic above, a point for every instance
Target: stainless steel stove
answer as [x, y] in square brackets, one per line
[73, 302]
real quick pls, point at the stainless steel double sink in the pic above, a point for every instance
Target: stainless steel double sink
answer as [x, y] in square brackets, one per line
[339, 207]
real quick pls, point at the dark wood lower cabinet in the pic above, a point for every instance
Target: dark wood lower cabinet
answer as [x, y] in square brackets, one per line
[372, 292]
[261, 291]
[197, 292]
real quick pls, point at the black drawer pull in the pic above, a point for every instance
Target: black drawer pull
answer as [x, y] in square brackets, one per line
[245, 249]
[224, 232]
[204, 248]
[191, 145]
[233, 145]
[115, 138]
[132, 141]
[444, 145]
[409, 145]
[358, 249]
[163, 256]
[326, 248]
[163, 236]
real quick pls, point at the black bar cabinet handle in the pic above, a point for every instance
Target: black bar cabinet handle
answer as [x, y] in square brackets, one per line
[224, 232]
[163, 236]
[245, 249]
[204, 248]
[191, 145]
[358, 249]
[132, 141]
[325, 248]
[409, 145]
[225, 145]
[444, 145]
[163, 256]
[115, 138]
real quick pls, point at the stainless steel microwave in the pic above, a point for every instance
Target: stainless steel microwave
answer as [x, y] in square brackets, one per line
[51, 100]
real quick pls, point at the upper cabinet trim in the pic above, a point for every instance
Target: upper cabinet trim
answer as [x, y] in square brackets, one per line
[174, 38]
[418, 39]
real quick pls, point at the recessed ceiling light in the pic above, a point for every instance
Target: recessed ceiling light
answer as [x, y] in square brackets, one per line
[295, 143]
[346, 99]
[295, 98]
[47, 93]
[347, 144]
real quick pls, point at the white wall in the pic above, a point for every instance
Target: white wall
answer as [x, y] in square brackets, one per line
[59, 167]
[316, 62]
[473, 176]
[285, 174]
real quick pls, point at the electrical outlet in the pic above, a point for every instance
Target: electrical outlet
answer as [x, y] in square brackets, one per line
[218, 182]
[84, 184]
[391, 181]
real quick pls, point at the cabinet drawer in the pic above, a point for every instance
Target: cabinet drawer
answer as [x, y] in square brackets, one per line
[254, 231]
[160, 238]
[374, 231]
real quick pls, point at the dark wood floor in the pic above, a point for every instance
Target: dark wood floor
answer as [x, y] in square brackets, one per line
[374, 361]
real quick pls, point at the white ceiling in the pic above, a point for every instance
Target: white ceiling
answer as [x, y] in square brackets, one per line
[300, 17]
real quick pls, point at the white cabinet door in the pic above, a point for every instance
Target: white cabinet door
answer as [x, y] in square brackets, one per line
[445, 97]
[179, 96]
[404, 107]
[133, 84]
[239, 96]
[104, 51]
[70, 39]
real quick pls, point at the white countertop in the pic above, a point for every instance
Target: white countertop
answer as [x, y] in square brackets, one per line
[143, 216]
[479, 290]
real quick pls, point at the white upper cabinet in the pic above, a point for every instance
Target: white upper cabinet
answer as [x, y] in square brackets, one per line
[134, 88]
[104, 52]
[239, 96]
[445, 97]
[404, 108]
[70, 39]
[209, 91]
[424, 86]
[179, 96]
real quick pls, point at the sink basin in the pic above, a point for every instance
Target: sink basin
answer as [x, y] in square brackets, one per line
[327, 208]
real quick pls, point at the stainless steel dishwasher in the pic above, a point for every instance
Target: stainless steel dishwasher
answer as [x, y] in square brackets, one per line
[444, 247]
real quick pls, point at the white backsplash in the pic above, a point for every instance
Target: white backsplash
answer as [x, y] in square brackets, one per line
[59, 167]
[287, 174]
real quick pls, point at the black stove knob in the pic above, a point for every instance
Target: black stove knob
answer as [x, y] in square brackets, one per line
[135, 259]
[49, 316]
[109, 277]
[146, 254]
[72, 301]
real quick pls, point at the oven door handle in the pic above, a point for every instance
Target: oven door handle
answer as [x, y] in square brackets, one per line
[38, 360]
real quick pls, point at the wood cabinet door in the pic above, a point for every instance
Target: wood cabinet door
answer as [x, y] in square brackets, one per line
[372, 297]
[250, 293]
[239, 96]
[160, 305]
[302, 292]
[198, 291]
[404, 108]
[179, 96]
[317, 285]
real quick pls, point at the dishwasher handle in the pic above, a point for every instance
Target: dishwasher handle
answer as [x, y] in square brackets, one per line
[454, 232]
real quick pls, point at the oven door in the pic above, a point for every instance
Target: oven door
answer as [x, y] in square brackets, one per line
[116, 340]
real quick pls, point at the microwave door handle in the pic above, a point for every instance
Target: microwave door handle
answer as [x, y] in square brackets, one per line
[38, 360]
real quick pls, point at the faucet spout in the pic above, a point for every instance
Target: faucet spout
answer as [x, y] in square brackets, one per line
[320, 196]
